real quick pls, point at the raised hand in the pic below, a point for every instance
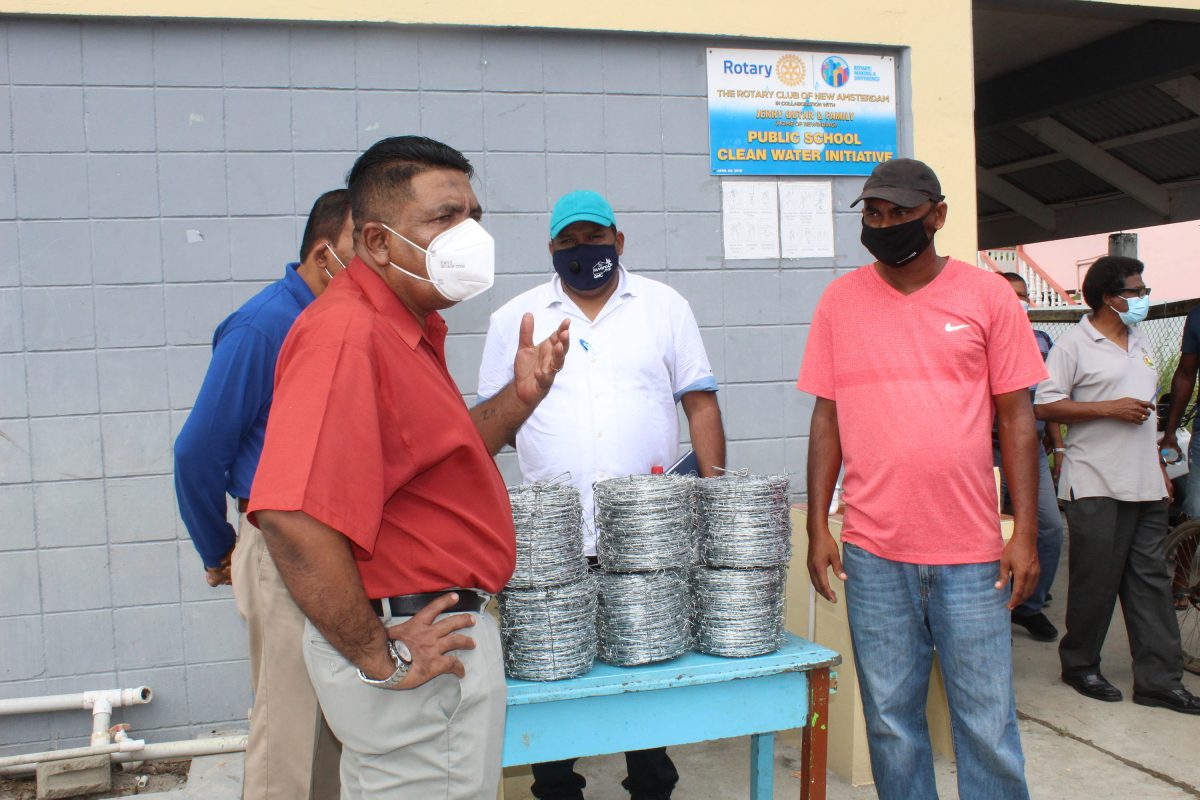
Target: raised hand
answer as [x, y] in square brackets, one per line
[534, 367]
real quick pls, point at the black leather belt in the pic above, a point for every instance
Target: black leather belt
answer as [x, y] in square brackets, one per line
[405, 605]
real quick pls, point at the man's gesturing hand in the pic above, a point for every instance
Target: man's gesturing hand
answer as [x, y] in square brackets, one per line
[430, 639]
[1019, 562]
[535, 366]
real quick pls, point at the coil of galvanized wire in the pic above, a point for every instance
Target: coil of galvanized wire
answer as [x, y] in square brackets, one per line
[739, 612]
[549, 634]
[645, 523]
[744, 521]
[549, 525]
[642, 617]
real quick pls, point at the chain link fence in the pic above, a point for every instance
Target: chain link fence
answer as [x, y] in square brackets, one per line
[1163, 327]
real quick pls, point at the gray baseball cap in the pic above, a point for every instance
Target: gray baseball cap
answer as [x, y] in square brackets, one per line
[904, 181]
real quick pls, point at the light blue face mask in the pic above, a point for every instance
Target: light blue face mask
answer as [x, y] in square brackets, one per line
[1139, 307]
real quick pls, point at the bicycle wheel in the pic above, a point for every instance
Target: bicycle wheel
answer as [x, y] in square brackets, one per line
[1183, 554]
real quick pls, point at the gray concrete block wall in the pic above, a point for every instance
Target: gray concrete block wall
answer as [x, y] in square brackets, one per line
[159, 175]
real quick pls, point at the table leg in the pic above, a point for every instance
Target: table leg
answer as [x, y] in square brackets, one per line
[762, 766]
[814, 750]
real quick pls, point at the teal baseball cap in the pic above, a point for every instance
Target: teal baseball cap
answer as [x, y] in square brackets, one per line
[580, 206]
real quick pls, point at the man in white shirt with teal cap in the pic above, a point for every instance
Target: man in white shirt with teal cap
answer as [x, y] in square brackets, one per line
[635, 352]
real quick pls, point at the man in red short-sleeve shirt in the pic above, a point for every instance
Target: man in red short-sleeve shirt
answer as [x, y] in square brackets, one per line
[909, 357]
[377, 493]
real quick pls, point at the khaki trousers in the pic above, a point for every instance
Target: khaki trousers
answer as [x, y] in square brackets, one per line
[291, 754]
[439, 741]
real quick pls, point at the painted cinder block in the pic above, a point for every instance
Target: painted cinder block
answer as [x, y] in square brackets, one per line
[73, 579]
[195, 250]
[322, 57]
[516, 182]
[70, 513]
[62, 383]
[255, 55]
[455, 118]
[195, 309]
[187, 55]
[323, 120]
[20, 592]
[386, 58]
[46, 52]
[126, 251]
[634, 182]
[137, 444]
[219, 692]
[144, 574]
[574, 123]
[141, 509]
[51, 185]
[514, 122]
[122, 185]
[382, 114]
[118, 54]
[753, 411]
[119, 119]
[632, 124]
[260, 183]
[130, 316]
[133, 380]
[262, 247]
[512, 61]
[190, 119]
[23, 654]
[451, 60]
[47, 119]
[688, 186]
[55, 252]
[66, 448]
[192, 184]
[752, 297]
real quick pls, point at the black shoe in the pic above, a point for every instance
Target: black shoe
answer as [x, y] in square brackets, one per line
[1094, 685]
[1180, 700]
[1039, 627]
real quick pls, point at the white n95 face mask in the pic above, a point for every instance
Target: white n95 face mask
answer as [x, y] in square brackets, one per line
[461, 261]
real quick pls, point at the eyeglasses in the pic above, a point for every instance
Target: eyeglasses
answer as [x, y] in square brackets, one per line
[1143, 292]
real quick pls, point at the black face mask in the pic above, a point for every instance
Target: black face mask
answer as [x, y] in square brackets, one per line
[898, 245]
[586, 266]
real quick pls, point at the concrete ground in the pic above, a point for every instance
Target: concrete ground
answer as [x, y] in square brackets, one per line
[1074, 747]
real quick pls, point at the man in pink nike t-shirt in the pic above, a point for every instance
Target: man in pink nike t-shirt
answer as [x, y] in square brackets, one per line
[910, 359]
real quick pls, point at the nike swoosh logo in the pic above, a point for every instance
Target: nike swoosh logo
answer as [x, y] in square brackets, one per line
[952, 328]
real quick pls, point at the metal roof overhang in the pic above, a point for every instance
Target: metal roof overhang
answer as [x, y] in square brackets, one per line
[1087, 118]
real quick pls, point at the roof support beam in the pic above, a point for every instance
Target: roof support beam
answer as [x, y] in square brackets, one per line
[1023, 203]
[1186, 126]
[1164, 50]
[1185, 91]
[1096, 161]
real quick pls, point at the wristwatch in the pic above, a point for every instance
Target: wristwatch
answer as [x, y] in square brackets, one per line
[401, 657]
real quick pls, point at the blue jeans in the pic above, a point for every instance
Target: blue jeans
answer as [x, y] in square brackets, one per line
[1191, 503]
[898, 614]
[1049, 536]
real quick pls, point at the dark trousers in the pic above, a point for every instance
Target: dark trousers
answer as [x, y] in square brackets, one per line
[1117, 551]
[652, 776]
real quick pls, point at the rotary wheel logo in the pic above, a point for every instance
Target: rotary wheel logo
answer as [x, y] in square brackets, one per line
[790, 70]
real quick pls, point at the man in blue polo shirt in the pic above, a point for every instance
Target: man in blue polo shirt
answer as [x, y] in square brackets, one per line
[291, 753]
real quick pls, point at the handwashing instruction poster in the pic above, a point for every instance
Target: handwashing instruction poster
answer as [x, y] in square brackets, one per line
[785, 112]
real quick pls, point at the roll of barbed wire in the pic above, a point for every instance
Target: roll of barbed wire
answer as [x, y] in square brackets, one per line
[549, 525]
[644, 523]
[642, 617]
[744, 521]
[549, 634]
[739, 612]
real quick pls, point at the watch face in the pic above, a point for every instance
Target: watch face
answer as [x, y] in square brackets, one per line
[403, 651]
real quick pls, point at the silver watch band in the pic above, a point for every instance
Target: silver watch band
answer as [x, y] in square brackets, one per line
[396, 677]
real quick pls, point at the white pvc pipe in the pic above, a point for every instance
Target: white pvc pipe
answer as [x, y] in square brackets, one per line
[33, 759]
[127, 751]
[101, 718]
[115, 698]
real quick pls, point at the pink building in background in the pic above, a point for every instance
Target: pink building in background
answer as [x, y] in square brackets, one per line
[1171, 254]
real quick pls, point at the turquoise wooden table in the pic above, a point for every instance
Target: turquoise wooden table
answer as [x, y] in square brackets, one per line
[693, 698]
